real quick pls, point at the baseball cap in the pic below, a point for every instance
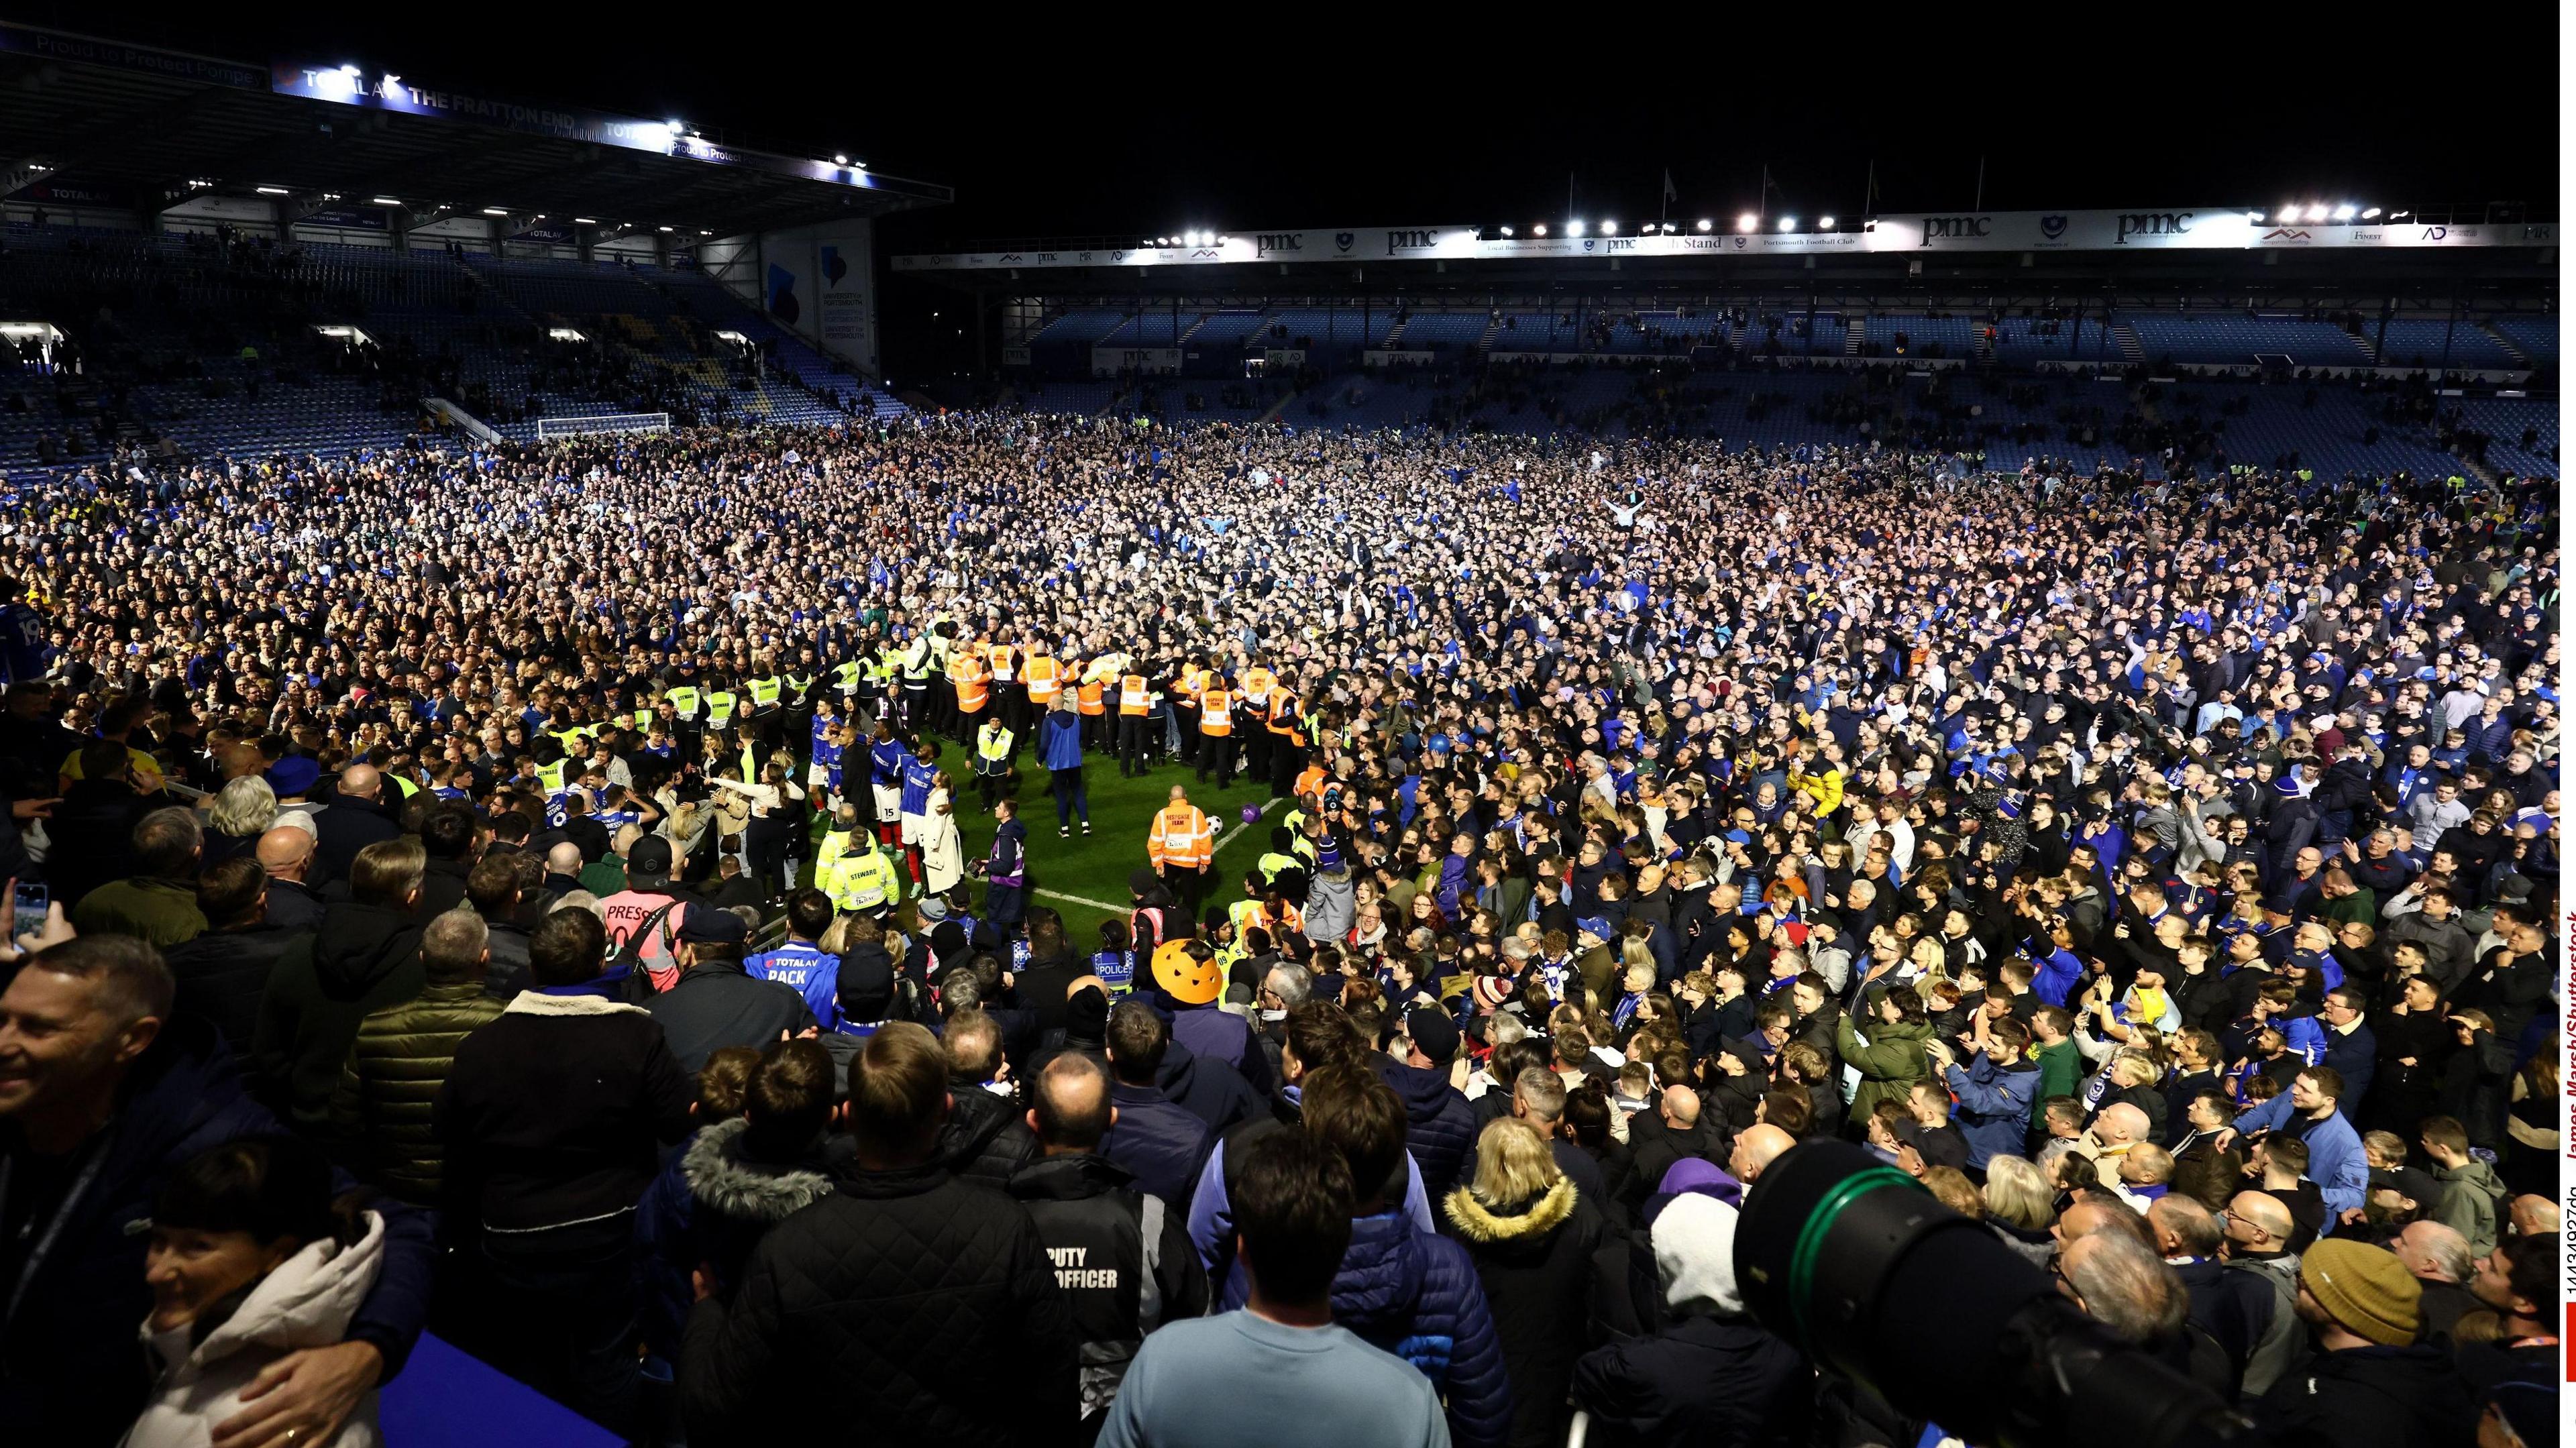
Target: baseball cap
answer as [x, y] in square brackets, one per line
[651, 856]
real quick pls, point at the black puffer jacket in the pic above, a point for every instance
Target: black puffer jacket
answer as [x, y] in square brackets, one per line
[896, 1298]
[985, 1139]
[1535, 1260]
[1440, 1126]
[221, 976]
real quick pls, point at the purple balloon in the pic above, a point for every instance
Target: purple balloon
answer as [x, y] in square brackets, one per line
[1251, 813]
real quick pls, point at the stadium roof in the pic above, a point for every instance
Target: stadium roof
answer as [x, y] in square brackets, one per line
[152, 127]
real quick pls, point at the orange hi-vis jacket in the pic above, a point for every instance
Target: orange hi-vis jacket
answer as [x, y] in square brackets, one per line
[1094, 697]
[1046, 679]
[1002, 655]
[1284, 719]
[1216, 712]
[1181, 837]
[1257, 682]
[1134, 697]
[974, 683]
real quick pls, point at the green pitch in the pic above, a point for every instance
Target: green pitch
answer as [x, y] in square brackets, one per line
[1085, 879]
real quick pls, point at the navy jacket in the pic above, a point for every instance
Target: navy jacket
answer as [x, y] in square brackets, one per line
[1162, 1145]
[1699, 1380]
[70, 1371]
[1441, 1126]
[1416, 1295]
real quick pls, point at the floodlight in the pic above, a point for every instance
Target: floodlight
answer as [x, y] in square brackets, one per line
[1574, 228]
[1747, 222]
[2346, 212]
[2317, 211]
[1824, 223]
[1539, 230]
[1507, 233]
[2369, 212]
[1706, 225]
[496, 211]
[840, 160]
[1788, 223]
[1609, 228]
[270, 190]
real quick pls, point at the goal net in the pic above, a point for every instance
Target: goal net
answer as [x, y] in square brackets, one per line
[550, 428]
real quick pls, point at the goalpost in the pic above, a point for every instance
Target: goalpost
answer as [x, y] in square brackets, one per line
[551, 428]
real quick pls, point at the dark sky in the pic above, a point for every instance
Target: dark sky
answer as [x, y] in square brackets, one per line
[1180, 117]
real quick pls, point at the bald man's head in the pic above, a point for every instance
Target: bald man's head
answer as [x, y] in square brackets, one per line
[285, 852]
[1681, 1106]
[1179, 794]
[2184, 1228]
[2434, 1252]
[2257, 1222]
[1756, 1147]
[564, 859]
[2535, 1216]
[2121, 1124]
[1073, 1111]
[360, 781]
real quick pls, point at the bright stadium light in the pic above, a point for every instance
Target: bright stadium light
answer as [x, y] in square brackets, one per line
[840, 160]
[1609, 228]
[384, 201]
[1507, 233]
[2346, 212]
[1539, 230]
[2317, 211]
[2399, 215]
[1747, 222]
[1574, 228]
[504, 211]
[1707, 225]
[1788, 223]
[2369, 212]
[661, 228]
[1824, 223]
[270, 190]
[676, 127]
[2254, 216]
[584, 221]
[2288, 213]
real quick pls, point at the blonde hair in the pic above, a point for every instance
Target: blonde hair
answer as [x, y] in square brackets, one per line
[1513, 1163]
[2016, 1193]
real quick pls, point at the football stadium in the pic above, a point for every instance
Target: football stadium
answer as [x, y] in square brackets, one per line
[658, 772]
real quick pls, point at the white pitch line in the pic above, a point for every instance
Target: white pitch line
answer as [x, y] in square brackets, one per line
[1080, 900]
[1229, 836]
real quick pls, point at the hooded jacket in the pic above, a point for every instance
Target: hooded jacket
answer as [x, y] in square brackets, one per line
[1158, 1142]
[1441, 1126]
[222, 975]
[2472, 1195]
[308, 1301]
[1330, 906]
[711, 1205]
[1889, 1064]
[1534, 1260]
[363, 958]
[68, 1370]
[1212, 1091]
[1416, 1295]
[1709, 1374]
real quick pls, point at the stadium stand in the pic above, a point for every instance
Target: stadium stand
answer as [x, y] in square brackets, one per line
[2240, 339]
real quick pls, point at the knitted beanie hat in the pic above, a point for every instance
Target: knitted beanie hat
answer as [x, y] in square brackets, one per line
[2365, 1289]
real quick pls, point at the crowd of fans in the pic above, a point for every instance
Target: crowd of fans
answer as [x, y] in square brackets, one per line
[412, 929]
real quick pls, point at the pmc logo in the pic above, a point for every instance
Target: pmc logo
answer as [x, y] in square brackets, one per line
[1410, 241]
[1937, 228]
[2152, 223]
[1264, 243]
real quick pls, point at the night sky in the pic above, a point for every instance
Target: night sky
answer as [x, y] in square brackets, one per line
[1181, 117]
